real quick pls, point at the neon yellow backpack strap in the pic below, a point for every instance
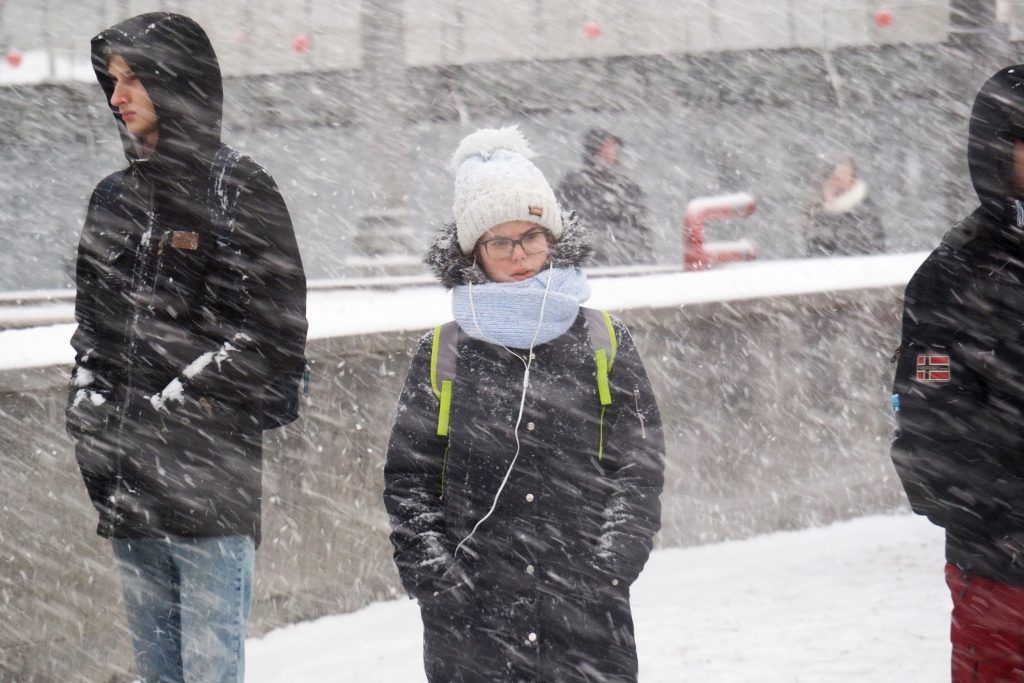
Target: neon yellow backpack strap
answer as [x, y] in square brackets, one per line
[443, 356]
[605, 345]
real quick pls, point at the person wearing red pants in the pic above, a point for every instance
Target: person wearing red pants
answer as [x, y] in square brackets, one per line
[959, 394]
[988, 628]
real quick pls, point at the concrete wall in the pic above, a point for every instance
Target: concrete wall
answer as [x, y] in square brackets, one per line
[775, 413]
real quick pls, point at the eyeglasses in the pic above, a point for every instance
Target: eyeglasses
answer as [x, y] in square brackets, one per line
[535, 242]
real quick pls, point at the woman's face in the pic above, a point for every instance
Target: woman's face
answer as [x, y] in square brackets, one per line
[842, 177]
[512, 251]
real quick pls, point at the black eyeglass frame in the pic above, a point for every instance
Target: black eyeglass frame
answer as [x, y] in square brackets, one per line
[486, 244]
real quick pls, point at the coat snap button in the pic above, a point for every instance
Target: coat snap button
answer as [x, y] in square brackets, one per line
[615, 582]
[530, 426]
[529, 569]
[532, 637]
[529, 497]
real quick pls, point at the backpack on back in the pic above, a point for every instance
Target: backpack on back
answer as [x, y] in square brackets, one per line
[444, 360]
[290, 372]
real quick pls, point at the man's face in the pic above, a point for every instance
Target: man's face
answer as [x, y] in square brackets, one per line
[608, 152]
[132, 102]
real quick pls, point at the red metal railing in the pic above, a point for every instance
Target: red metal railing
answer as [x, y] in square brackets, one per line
[698, 254]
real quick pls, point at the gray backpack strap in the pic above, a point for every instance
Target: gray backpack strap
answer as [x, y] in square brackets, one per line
[603, 341]
[443, 361]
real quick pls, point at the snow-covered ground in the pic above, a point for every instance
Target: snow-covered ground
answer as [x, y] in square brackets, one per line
[857, 601]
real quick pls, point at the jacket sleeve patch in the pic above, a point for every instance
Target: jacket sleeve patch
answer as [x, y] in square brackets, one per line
[933, 368]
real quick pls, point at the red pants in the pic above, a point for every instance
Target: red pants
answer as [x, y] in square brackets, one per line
[987, 630]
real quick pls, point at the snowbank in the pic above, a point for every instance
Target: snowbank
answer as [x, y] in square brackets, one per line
[353, 312]
[856, 601]
[36, 347]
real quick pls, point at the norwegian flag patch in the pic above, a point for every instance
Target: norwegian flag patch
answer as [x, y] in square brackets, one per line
[933, 368]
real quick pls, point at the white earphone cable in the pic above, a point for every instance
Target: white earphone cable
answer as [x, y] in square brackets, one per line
[522, 400]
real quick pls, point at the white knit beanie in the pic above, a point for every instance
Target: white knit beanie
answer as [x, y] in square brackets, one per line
[496, 182]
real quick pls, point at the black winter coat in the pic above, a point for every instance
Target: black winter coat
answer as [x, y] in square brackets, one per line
[612, 206]
[540, 592]
[857, 230]
[960, 371]
[182, 327]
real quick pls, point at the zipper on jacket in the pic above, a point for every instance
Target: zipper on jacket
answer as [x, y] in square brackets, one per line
[139, 272]
[639, 415]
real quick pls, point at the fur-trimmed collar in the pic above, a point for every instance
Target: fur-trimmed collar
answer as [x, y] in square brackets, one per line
[453, 268]
[849, 200]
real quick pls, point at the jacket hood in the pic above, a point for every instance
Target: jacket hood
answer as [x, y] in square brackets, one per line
[175, 61]
[997, 119]
[453, 268]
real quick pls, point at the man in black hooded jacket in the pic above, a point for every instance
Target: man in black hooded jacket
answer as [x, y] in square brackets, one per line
[959, 393]
[190, 341]
[610, 204]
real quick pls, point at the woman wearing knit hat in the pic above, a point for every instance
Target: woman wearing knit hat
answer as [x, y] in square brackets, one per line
[526, 458]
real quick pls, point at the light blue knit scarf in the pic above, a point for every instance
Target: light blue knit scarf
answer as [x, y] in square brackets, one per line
[508, 313]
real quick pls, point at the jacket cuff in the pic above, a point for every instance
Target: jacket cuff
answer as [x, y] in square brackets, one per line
[88, 413]
[172, 394]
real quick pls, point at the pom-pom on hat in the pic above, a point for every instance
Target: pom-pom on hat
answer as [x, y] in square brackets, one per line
[495, 182]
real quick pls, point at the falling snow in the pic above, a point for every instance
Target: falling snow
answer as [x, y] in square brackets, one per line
[759, 182]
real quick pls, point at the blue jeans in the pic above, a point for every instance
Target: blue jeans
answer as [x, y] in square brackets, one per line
[188, 602]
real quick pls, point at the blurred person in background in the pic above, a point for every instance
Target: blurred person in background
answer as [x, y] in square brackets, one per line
[611, 205]
[959, 394]
[190, 342]
[841, 217]
[526, 459]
